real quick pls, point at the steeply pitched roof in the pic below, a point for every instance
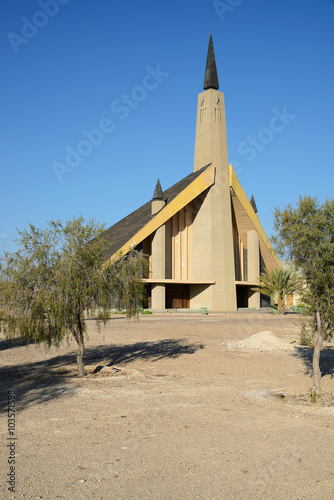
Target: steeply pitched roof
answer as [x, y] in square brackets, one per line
[247, 220]
[211, 76]
[121, 232]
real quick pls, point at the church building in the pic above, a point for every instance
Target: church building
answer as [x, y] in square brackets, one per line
[205, 243]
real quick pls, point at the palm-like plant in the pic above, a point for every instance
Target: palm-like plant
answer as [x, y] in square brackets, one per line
[277, 283]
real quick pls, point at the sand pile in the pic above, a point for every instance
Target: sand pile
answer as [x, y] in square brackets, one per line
[263, 341]
[110, 371]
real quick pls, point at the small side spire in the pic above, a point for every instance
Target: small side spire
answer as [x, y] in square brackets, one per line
[252, 202]
[158, 194]
[211, 76]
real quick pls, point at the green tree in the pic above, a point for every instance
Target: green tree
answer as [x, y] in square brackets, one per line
[60, 274]
[277, 283]
[306, 235]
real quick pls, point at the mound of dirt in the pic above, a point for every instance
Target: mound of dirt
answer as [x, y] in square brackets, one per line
[263, 341]
[109, 371]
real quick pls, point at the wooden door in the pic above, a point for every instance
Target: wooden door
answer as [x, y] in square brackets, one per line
[178, 297]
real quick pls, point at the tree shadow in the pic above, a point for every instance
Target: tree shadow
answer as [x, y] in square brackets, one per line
[144, 351]
[12, 343]
[326, 359]
[43, 381]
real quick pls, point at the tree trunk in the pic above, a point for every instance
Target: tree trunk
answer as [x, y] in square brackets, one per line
[316, 390]
[78, 335]
[280, 306]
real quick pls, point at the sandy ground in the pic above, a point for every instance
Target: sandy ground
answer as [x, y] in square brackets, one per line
[193, 413]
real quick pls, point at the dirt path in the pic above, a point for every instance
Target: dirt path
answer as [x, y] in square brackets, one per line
[187, 417]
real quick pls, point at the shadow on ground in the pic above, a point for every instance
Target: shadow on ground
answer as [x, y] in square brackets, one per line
[42, 381]
[326, 359]
[12, 343]
[143, 351]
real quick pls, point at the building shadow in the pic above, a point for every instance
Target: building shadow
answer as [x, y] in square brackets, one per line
[43, 381]
[326, 359]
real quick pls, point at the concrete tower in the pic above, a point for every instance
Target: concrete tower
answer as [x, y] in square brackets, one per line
[212, 225]
[158, 266]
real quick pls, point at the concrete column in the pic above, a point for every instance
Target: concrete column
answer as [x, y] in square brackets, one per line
[158, 296]
[158, 261]
[253, 261]
[158, 266]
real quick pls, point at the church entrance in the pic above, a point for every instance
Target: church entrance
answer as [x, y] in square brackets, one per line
[177, 296]
[242, 297]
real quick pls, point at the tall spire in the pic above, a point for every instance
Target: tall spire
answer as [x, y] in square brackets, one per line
[157, 202]
[158, 194]
[252, 202]
[211, 77]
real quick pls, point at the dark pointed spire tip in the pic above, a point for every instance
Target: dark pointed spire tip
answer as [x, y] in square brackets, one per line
[158, 194]
[211, 76]
[252, 202]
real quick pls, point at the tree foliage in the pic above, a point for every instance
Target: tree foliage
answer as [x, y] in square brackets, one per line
[305, 235]
[277, 283]
[59, 275]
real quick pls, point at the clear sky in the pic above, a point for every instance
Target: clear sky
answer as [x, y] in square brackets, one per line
[133, 70]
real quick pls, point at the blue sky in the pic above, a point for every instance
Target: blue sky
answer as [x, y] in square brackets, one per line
[69, 66]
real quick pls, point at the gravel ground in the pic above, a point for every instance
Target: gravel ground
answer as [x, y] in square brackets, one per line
[187, 416]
